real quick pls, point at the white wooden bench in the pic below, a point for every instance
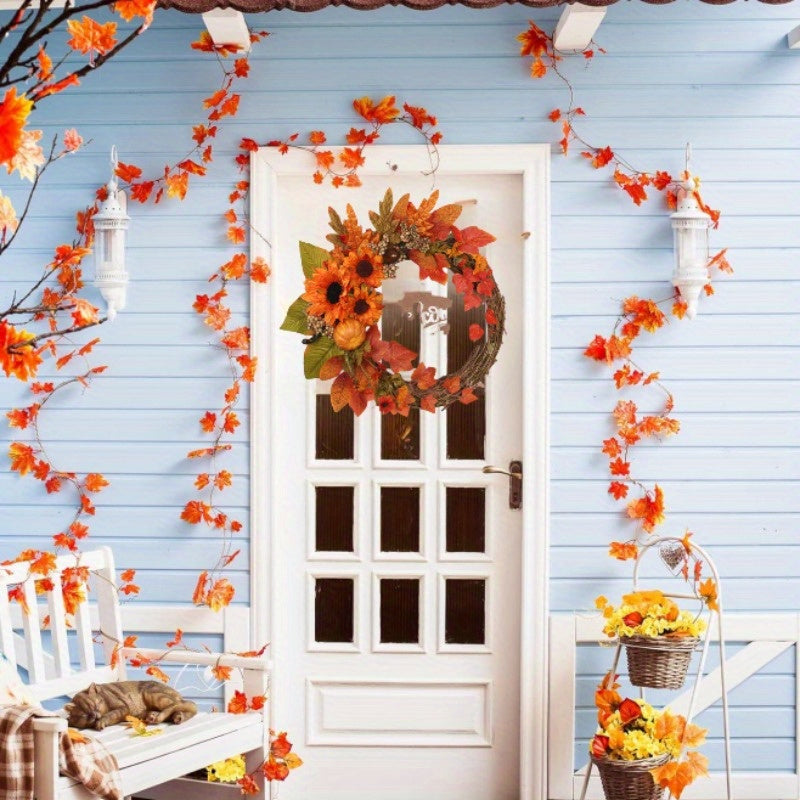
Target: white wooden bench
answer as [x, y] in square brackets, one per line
[150, 767]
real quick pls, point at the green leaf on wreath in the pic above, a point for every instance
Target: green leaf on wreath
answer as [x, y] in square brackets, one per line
[311, 257]
[296, 320]
[317, 353]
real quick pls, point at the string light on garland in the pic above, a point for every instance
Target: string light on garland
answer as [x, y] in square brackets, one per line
[690, 224]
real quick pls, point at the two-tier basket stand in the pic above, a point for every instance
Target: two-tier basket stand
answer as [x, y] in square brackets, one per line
[671, 550]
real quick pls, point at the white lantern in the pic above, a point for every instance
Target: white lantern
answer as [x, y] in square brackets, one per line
[110, 224]
[691, 225]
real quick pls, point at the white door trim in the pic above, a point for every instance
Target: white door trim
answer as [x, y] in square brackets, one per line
[532, 162]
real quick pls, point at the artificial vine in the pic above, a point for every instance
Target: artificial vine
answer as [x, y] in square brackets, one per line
[637, 315]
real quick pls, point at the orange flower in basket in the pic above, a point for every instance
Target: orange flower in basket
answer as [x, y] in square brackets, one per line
[629, 710]
[326, 291]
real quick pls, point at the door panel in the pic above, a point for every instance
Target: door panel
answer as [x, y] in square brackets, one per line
[400, 556]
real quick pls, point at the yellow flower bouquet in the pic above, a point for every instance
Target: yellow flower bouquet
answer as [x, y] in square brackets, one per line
[638, 748]
[659, 637]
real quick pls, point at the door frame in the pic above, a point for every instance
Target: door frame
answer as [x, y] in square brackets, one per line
[532, 162]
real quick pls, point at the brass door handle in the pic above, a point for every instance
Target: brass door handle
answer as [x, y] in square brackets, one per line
[514, 473]
[489, 470]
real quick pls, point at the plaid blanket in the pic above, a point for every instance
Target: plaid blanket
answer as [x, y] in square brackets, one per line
[90, 764]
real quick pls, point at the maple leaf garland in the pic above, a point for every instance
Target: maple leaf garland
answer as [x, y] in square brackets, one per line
[637, 314]
[342, 168]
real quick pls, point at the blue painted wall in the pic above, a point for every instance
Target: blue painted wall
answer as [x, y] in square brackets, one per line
[721, 77]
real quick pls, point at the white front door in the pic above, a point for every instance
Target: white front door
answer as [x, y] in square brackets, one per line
[396, 598]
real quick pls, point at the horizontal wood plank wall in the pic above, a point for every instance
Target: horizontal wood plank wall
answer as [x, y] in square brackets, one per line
[721, 77]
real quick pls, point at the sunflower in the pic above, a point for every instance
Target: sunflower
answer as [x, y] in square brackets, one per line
[364, 265]
[367, 305]
[326, 291]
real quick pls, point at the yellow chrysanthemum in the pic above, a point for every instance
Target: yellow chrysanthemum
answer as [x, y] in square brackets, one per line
[228, 770]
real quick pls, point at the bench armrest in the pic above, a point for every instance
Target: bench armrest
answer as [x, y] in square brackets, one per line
[49, 725]
[258, 663]
[46, 741]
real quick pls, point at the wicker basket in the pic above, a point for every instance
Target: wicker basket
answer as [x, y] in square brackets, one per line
[630, 780]
[659, 663]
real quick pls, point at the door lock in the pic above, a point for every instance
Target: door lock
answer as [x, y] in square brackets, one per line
[514, 473]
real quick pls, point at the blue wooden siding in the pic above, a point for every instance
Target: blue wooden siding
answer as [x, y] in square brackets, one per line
[721, 77]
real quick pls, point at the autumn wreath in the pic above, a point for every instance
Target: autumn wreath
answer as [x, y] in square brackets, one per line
[342, 305]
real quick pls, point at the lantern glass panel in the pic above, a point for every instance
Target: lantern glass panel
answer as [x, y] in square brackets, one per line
[118, 248]
[106, 251]
[691, 245]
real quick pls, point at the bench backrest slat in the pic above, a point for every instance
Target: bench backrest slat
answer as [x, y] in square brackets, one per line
[33, 635]
[6, 629]
[58, 632]
[83, 627]
[51, 673]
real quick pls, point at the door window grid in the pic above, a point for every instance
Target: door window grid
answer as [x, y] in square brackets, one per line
[432, 450]
[443, 646]
[489, 509]
[379, 646]
[318, 389]
[358, 521]
[312, 623]
[425, 515]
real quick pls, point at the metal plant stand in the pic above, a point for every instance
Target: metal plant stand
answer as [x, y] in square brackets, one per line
[671, 550]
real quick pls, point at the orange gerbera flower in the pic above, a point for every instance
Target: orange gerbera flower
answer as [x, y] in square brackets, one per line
[326, 290]
[367, 305]
[364, 266]
[14, 112]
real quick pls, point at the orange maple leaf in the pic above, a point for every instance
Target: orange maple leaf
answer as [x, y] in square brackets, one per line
[128, 9]
[623, 551]
[14, 111]
[91, 37]
[247, 785]
[618, 490]
[208, 422]
[23, 360]
[721, 262]
[73, 595]
[200, 590]
[236, 234]
[259, 271]
[649, 509]
[220, 594]
[22, 458]
[384, 111]
[177, 184]
[221, 673]
[238, 703]
[95, 482]
[155, 672]
[534, 41]
[195, 512]
[602, 157]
